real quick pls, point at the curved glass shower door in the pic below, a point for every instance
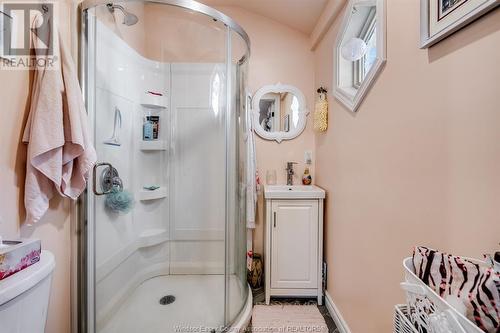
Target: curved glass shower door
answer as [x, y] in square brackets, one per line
[165, 91]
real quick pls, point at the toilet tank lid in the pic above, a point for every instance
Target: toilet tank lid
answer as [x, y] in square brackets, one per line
[26, 279]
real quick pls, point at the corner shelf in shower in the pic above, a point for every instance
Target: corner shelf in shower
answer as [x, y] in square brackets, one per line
[152, 237]
[153, 106]
[153, 145]
[145, 195]
[153, 102]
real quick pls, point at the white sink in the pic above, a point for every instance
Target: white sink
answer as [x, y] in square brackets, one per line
[293, 192]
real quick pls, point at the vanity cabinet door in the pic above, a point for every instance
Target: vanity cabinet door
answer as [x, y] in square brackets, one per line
[294, 244]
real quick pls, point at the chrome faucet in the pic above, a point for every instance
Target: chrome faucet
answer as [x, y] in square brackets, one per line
[289, 173]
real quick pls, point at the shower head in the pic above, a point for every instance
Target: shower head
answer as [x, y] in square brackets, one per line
[128, 18]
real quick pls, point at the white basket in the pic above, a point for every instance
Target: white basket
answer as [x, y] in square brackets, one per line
[402, 323]
[430, 313]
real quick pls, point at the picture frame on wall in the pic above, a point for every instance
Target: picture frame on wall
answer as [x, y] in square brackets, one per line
[441, 18]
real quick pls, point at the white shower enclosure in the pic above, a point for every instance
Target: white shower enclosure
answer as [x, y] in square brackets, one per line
[164, 84]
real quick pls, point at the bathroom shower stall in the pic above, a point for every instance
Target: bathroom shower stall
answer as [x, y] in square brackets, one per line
[164, 247]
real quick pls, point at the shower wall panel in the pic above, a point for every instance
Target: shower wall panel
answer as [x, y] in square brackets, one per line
[134, 246]
[198, 168]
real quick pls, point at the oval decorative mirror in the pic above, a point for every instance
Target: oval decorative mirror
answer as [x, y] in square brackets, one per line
[360, 51]
[279, 112]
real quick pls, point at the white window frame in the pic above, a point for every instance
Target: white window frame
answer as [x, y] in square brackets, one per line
[366, 34]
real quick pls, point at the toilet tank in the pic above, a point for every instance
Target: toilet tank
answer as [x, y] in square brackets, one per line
[24, 297]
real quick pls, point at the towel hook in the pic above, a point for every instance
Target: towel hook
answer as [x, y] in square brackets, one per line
[321, 90]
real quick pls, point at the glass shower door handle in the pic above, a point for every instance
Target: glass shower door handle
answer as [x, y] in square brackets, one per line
[94, 178]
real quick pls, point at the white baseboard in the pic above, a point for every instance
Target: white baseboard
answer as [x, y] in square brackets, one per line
[336, 315]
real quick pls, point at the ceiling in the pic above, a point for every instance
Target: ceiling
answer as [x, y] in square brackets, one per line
[301, 15]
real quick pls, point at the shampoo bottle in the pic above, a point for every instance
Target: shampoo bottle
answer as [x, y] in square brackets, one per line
[147, 129]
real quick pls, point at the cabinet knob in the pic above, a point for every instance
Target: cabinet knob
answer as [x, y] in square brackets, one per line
[275, 219]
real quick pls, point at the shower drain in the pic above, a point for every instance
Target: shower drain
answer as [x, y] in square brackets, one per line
[169, 299]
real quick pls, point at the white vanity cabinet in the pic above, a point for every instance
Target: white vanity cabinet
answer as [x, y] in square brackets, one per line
[294, 241]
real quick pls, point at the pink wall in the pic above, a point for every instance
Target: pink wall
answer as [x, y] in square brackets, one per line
[54, 229]
[418, 164]
[279, 54]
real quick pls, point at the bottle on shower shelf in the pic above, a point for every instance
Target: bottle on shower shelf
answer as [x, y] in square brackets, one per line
[151, 127]
[147, 129]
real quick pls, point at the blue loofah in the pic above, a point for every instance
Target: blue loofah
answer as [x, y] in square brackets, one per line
[120, 201]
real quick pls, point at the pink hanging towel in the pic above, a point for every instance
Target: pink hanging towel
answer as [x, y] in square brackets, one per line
[60, 151]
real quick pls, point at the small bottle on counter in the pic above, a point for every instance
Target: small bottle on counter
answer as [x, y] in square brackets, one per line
[306, 178]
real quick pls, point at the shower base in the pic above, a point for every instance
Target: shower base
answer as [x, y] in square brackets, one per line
[198, 306]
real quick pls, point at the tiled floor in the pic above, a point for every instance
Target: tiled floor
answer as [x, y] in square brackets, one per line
[259, 298]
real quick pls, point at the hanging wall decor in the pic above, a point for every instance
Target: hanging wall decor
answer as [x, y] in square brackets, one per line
[441, 18]
[321, 111]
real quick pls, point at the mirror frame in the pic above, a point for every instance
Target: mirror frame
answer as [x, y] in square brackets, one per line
[303, 112]
[350, 101]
